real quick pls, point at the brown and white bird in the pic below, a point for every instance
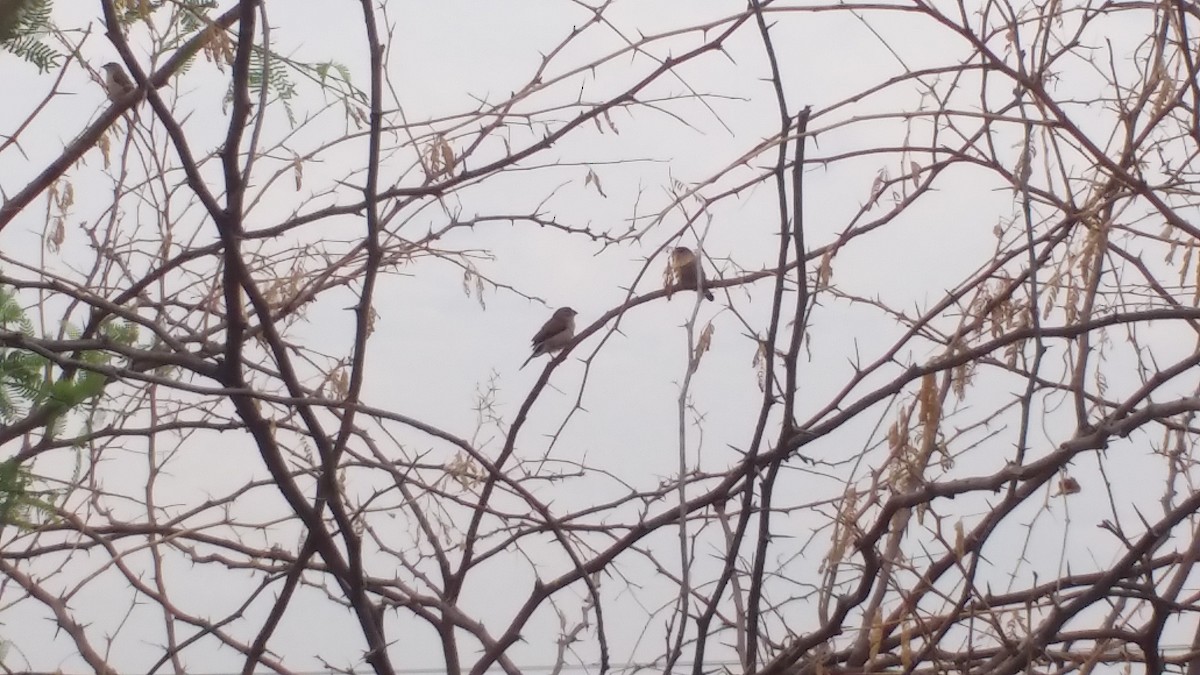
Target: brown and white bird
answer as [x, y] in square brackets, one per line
[116, 82]
[554, 334]
[688, 272]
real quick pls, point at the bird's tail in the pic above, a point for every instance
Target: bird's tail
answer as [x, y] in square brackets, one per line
[527, 361]
[708, 295]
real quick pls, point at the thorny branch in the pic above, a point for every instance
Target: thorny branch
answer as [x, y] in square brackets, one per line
[935, 393]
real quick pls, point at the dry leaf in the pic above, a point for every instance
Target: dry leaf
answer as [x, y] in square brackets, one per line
[593, 179]
[931, 408]
[56, 235]
[844, 528]
[66, 198]
[466, 282]
[668, 277]
[876, 634]
[1196, 284]
[1068, 486]
[297, 171]
[447, 156]
[105, 149]
[340, 383]
[439, 158]
[463, 470]
[702, 345]
[877, 187]
[825, 270]
[760, 365]
[960, 547]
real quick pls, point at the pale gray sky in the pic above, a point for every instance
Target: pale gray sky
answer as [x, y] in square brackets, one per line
[435, 346]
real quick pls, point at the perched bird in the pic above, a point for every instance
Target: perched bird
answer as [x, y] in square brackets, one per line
[687, 270]
[116, 82]
[554, 334]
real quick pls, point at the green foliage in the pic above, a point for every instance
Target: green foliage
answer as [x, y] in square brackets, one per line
[21, 372]
[27, 384]
[121, 332]
[190, 18]
[22, 22]
[337, 76]
[26, 378]
[272, 72]
[22, 378]
[18, 502]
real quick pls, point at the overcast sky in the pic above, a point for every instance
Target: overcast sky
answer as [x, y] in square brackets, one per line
[435, 346]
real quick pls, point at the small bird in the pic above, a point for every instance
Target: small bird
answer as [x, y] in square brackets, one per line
[554, 334]
[116, 82]
[688, 271]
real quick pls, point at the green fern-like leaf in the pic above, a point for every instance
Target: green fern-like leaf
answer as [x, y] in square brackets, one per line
[271, 72]
[17, 501]
[190, 19]
[22, 22]
[12, 317]
[122, 332]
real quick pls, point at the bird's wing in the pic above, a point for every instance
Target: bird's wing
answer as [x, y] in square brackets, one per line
[556, 324]
[687, 273]
[559, 340]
